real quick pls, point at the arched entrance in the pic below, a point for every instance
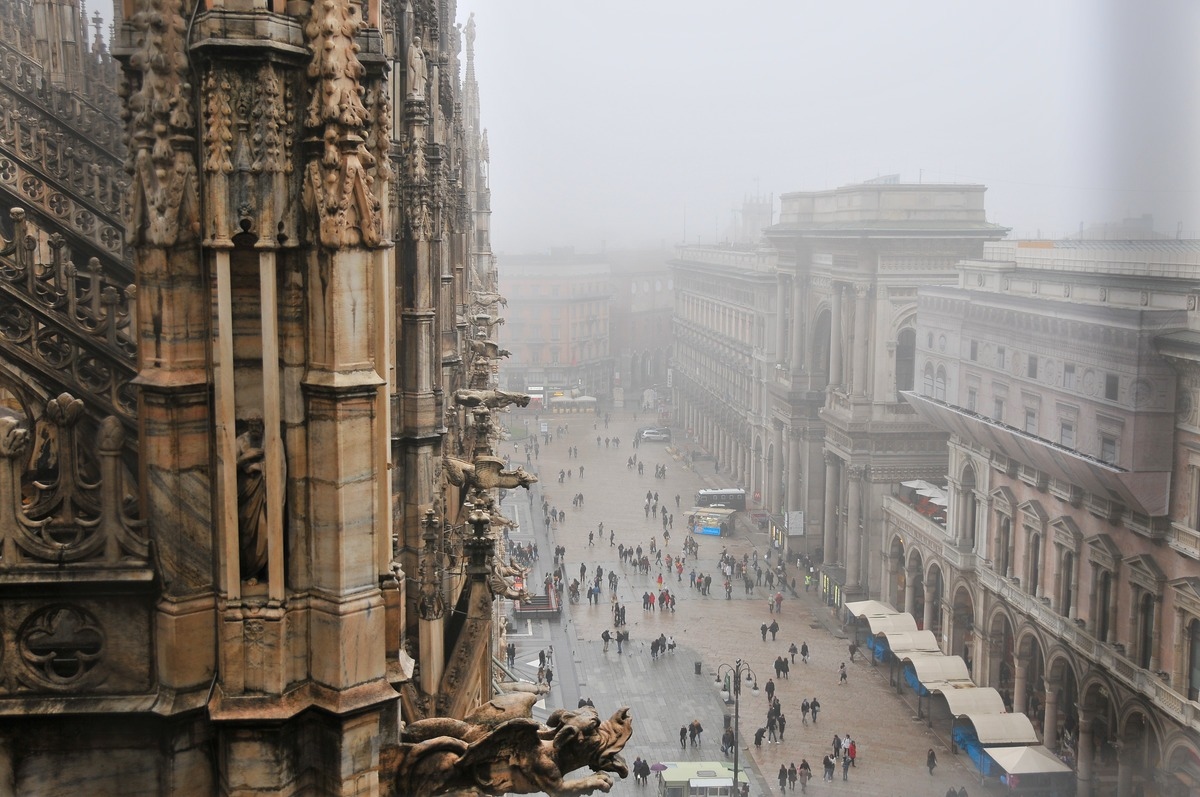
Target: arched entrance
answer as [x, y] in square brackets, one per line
[916, 586]
[1138, 753]
[1062, 701]
[934, 598]
[962, 628]
[1001, 670]
[1029, 686]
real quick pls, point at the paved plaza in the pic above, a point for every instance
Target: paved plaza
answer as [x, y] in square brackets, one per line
[666, 693]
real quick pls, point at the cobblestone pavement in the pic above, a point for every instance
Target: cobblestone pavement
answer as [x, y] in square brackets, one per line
[666, 693]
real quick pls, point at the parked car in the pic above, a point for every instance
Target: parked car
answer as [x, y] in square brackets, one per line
[657, 435]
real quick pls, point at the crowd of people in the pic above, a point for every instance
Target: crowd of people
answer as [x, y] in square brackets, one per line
[648, 562]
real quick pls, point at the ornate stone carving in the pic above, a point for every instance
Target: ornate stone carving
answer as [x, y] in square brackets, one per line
[493, 399]
[161, 129]
[339, 192]
[59, 646]
[499, 748]
[486, 473]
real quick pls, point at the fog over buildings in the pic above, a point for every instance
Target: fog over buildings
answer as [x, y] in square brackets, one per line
[632, 123]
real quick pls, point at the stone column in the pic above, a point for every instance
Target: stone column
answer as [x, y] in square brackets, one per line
[927, 615]
[781, 336]
[1050, 723]
[794, 499]
[796, 364]
[1126, 765]
[775, 476]
[1156, 636]
[910, 594]
[1083, 755]
[861, 310]
[853, 533]
[1022, 663]
[835, 336]
[831, 499]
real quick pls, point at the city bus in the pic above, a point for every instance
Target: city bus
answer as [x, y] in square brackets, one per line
[732, 498]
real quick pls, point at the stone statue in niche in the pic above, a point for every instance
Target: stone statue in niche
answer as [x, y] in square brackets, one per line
[499, 748]
[252, 499]
[418, 70]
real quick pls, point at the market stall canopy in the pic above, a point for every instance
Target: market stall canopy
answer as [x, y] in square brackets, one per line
[970, 700]
[890, 623]
[1003, 729]
[933, 668]
[920, 484]
[1031, 760]
[912, 642]
[869, 608]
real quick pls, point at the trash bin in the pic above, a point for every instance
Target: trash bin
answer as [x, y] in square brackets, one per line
[728, 722]
[697, 668]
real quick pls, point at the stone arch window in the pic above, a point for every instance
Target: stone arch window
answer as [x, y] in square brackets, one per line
[1033, 582]
[1145, 621]
[967, 506]
[1104, 597]
[1033, 519]
[939, 384]
[1002, 560]
[1146, 583]
[1105, 559]
[1193, 657]
[1067, 540]
[906, 353]
[928, 380]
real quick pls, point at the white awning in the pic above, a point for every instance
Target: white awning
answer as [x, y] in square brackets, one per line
[969, 700]
[1003, 729]
[869, 608]
[920, 484]
[935, 668]
[912, 642]
[1033, 760]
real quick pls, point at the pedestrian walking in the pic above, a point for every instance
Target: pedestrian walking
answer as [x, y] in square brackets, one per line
[842, 674]
[931, 760]
[763, 630]
[804, 652]
[683, 734]
[816, 706]
[758, 736]
[852, 753]
[606, 636]
[774, 629]
[770, 689]
[804, 774]
[793, 650]
[782, 778]
[804, 708]
[792, 776]
[846, 767]
[782, 726]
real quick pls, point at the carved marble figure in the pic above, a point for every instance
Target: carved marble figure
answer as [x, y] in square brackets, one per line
[499, 748]
[494, 399]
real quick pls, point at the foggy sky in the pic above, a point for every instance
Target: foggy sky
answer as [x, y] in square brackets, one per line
[634, 122]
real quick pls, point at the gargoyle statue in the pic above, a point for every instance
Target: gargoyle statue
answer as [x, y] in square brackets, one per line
[487, 473]
[489, 349]
[493, 399]
[485, 299]
[500, 748]
[501, 587]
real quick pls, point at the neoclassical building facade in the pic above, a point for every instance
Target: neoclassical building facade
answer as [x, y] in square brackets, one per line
[726, 314]
[1066, 375]
[850, 263]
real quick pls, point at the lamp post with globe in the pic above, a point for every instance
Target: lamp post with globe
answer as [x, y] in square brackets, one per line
[733, 675]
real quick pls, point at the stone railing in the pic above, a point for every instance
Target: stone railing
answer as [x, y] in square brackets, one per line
[95, 117]
[68, 325]
[1139, 680]
[72, 179]
[54, 512]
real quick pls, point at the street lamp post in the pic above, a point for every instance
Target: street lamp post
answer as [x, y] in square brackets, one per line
[736, 670]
